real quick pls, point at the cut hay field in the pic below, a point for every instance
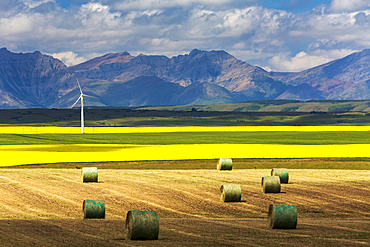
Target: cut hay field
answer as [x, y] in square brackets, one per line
[43, 207]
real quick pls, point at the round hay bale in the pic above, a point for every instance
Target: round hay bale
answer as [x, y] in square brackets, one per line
[142, 225]
[94, 209]
[282, 173]
[271, 184]
[231, 193]
[224, 164]
[89, 174]
[282, 216]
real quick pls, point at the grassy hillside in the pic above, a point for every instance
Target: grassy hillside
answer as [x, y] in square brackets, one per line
[277, 106]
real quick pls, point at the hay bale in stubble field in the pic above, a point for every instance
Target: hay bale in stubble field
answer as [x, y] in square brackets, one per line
[142, 225]
[271, 184]
[282, 173]
[282, 216]
[93, 209]
[231, 193]
[224, 164]
[89, 174]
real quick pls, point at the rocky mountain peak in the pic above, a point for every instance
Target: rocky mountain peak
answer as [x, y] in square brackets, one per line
[210, 54]
[31, 77]
[195, 52]
[38, 80]
[110, 58]
[4, 50]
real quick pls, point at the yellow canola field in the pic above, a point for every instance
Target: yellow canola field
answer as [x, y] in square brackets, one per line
[103, 130]
[12, 155]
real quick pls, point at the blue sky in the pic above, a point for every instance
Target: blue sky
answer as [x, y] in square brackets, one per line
[288, 5]
[296, 6]
[68, 3]
[287, 35]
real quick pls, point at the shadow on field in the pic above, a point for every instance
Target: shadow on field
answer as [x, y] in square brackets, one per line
[185, 232]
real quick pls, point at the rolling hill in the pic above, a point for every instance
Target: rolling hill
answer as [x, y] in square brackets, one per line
[314, 106]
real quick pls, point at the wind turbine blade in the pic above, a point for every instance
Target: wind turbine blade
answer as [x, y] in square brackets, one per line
[79, 86]
[76, 101]
[89, 96]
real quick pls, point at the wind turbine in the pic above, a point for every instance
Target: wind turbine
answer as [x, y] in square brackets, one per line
[82, 95]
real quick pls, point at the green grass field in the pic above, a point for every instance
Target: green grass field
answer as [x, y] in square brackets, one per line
[277, 106]
[288, 138]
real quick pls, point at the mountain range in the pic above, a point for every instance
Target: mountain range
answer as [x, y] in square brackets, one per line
[36, 80]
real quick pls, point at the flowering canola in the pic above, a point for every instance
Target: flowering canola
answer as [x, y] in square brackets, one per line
[39, 154]
[12, 155]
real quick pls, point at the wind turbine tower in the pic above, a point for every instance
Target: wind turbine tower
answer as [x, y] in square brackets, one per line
[82, 95]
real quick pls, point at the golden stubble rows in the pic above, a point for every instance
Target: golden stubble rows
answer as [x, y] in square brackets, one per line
[59, 193]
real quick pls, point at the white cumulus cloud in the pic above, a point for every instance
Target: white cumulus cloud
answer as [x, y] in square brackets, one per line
[302, 60]
[35, 3]
[69, 58]
[349, 5]
[163, 4]
[252, 33]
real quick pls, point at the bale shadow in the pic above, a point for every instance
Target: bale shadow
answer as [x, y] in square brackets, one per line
[119, 239]
[236, 202]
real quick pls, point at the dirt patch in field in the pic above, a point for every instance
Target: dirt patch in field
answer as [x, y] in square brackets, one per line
[44, 207]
